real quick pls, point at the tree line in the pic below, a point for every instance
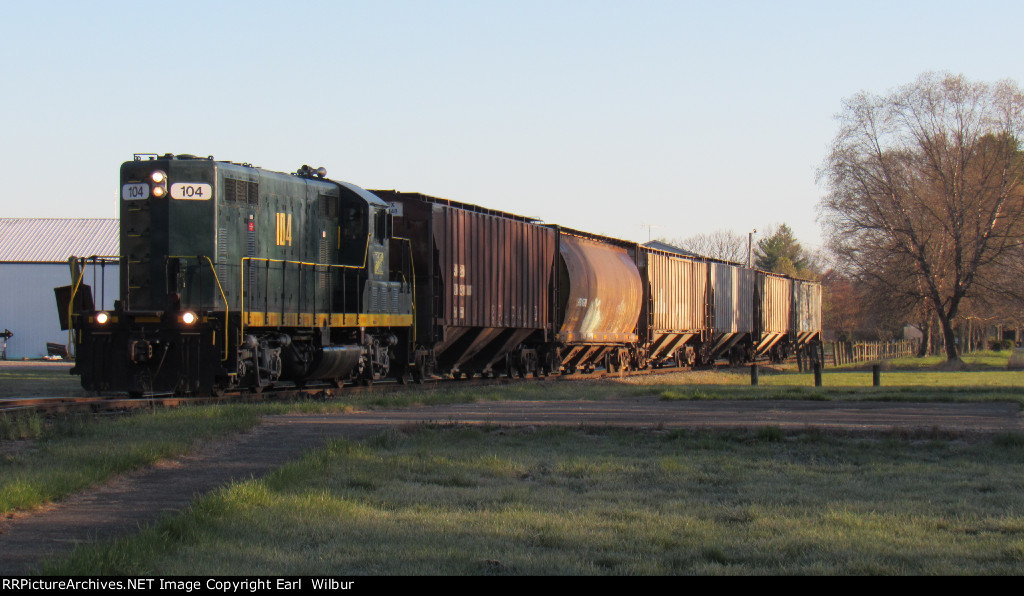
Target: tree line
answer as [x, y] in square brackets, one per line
[776, 250]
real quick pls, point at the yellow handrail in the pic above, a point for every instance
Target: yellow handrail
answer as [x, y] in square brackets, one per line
[223, 296]
[241, 289]
[71, 301]
[74, 290]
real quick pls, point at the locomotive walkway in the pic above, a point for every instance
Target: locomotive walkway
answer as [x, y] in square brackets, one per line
[129, 502]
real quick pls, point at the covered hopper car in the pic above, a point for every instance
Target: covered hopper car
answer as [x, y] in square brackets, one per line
[236, 277]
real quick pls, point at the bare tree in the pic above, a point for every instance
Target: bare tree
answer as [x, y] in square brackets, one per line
[925, 190]
[722, 244]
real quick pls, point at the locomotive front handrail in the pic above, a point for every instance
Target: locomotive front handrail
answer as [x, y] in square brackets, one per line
[74, 291]
[80, 262]
[223, 296]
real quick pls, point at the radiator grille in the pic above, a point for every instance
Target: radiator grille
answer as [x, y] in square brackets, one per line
[241, 191]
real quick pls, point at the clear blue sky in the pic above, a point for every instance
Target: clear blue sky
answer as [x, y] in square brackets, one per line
[603, 116]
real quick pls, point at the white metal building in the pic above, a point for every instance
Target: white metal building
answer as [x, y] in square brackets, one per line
[33, 261]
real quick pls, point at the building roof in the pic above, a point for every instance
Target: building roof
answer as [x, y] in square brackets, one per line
[51, 240]
[659, 245]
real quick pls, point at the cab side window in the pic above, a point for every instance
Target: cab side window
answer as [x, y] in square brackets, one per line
[382, 228]
[352, 236]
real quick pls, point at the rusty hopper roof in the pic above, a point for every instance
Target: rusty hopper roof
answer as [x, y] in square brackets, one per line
[50, 240]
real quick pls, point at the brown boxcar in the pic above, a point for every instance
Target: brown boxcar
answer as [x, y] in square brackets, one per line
[483, 285]
[675, 310]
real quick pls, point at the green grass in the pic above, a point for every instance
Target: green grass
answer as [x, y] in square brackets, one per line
[985, 360]
[67, 454]
[472, 501]
[14, 427]
[38, 379]
[901, 380]
[74, 452]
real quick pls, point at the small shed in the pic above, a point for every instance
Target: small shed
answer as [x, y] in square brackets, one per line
[33, 261]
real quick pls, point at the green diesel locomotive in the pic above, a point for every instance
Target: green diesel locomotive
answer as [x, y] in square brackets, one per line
[237, 277]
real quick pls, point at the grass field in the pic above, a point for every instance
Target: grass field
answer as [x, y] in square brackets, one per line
[472, 501]
[490, 501]
[72, 453]
[908, 379]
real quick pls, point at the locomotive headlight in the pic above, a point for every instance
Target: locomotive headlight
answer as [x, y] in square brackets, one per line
[102, 318]
[188, 317]
[159, 178]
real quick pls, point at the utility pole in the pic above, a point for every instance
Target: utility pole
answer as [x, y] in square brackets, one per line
[750, 248]
[649, 226]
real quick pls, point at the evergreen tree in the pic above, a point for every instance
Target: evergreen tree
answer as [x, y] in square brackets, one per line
[780, 252]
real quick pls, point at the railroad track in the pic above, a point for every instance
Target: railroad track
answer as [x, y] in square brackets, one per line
[120, 402]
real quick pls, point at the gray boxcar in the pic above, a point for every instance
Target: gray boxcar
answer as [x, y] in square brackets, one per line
[806, 323]
[732, 298]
